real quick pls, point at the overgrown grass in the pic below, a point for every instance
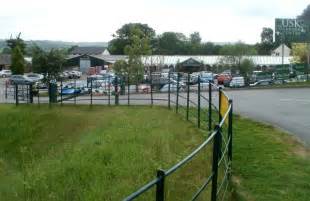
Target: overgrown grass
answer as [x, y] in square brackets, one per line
[269, 164]
[106, 153]
[102, 153]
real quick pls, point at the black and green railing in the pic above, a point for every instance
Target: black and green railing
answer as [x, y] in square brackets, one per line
[207, 106]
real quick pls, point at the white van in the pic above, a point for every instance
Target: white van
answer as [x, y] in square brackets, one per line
[237, 82]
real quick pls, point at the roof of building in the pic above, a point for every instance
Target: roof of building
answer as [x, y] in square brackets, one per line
[212, 60]
[88, 50]
[5, 59]
[158, 60]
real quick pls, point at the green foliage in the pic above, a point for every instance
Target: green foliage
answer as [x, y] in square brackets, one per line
[138, 46]
[300, 52]
[122, 37]
[233, 54]
[267, 35]
[246, 69]
[14, 42]
[267, 44]
[305, 14]
[18, 62]
[48, 63]
[6, 50]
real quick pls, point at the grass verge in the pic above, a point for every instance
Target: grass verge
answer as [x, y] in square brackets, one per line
[269, 164]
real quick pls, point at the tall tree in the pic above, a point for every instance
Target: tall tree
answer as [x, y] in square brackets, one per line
[171, 43]
[18, 41]
[306, 14]
[133, 68]
[48, 63]
[122, 36]
[18, 62]
[195, 43]
[267, 35]
[267, 43]
[306, 17]
[233, 55]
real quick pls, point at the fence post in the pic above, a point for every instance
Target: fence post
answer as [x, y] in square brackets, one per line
[210, 106]
[30, 93]
[116, 91]
[160, 186]
[6, 89]
[128, 89]
[61, 86]
[16, 94]
[230, 133]
[216, 149]
[38, 95]
[91, 91]
[75, 91]
[109, 91]
[198, 102]
[187, 98]
[169, 97]
[177, 101]
[151, 88]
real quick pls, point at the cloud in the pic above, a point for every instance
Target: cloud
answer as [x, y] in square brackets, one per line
[97, 20]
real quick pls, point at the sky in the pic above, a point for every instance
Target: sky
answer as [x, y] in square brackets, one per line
[97, 20]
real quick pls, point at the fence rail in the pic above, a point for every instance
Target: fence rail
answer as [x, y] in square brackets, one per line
[200, 104]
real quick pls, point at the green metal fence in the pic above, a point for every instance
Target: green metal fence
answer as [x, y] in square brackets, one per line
[204, 104]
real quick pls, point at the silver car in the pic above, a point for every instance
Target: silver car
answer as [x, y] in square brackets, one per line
[20, 79]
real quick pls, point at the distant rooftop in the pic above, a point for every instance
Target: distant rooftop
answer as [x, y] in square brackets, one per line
[5, 59]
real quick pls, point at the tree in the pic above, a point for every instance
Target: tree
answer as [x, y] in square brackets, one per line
[267, 35]
[306, 17]
[300, 52]
[171, 43]
[246, 69]
[48, 63]
[133, 68]
[6, 50]
[18, 62]
[13, 42]
[267, 44]
[122, 37]
[195, 43]
[306, 14]
[233, 54]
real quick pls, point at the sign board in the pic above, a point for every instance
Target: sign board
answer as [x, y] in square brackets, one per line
[291, 30]
[224, 106]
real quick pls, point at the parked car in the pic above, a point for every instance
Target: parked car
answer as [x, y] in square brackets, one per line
[173, 87]
[206, 77]
[237, 82]
[5, 73]
[20, 79]
[75, 74]
[224, 79]
[35, 77]
[144, 88]
[64, 74]
[262, 83]
[70, 91]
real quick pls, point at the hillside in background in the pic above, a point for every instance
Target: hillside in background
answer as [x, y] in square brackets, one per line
[48, 44]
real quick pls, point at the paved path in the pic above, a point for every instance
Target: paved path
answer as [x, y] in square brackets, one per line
[286, 108]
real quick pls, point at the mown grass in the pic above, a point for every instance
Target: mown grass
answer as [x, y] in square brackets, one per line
[269, 164]
[98, 153]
